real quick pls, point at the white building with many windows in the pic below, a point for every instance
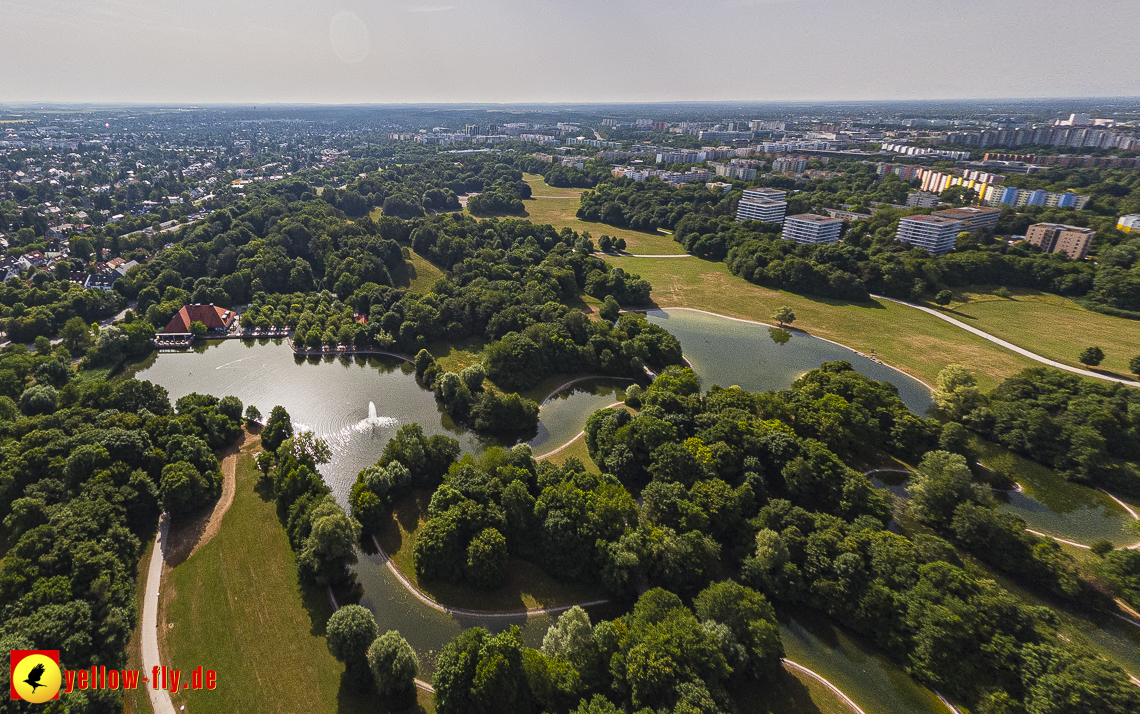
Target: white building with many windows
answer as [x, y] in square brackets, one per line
[934, 234]
[761, 209]
[812, 228]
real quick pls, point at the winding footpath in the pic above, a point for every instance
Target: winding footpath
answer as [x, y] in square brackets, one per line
[1009, 345]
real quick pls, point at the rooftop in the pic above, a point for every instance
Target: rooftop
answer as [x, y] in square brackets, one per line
[814, 218]
[934, 220]
[966, 212]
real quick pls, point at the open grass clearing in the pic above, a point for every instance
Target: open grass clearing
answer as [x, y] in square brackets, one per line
[527, 586]
[905, 338]
[417, 274]
[1049, 325]
[238, 607]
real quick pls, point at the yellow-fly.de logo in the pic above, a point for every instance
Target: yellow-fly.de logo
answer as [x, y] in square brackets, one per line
[35, 675]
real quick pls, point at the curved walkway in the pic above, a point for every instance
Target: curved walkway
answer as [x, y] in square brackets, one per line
[461, 612]
[1009, 345]
[560, 387]
[159, 698]
[819, 678]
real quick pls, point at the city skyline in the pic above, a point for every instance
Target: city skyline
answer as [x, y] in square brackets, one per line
[504, 51]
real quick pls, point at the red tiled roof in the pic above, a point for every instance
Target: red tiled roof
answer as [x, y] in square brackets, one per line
[213, 317]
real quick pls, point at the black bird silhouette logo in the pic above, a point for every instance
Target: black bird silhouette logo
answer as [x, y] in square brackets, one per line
[34, 677]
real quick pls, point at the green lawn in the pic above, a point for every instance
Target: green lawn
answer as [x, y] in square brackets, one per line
[238, 608]
[527, 586]
[556, 207]
[417, 274]
[1050, 325]
[917, 343]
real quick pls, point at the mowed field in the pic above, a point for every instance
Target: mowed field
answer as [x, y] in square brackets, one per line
[559, 207]
[1050, 325]
[237, 607]
[917, 343]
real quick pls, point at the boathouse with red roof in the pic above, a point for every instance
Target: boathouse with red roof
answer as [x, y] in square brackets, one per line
[217, 320]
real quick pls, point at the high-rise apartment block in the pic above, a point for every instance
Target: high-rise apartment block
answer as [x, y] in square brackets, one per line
[762, 204]
[934, 234]
[812, 228]
[973, 217]
[1073, 241]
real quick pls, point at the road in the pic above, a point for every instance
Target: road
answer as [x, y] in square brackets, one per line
[159, 698]
[1010, 346]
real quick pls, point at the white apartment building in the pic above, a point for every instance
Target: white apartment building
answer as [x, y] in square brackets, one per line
[812, 228]
[761, 209]
[744, 173]
[934, 234]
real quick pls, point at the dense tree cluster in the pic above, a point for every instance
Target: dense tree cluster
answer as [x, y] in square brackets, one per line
[83, 478]
[559, 176]
[42, 303]
[320, 531]
[731, 481]
[410, 460]
[1087, 429]
[502, 197]
[944, 496]
[652, 204]
[661, 657]
[429, 185]
[264, 244]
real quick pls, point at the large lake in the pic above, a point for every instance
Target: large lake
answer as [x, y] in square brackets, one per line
[331, 396]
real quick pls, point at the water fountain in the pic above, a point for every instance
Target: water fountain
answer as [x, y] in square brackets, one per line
[372, 414]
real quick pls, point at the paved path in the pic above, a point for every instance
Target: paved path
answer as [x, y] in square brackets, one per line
[1009, 345]
[642, 255]
[159, 698]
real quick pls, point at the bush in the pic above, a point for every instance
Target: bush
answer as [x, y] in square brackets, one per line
[1092, 356]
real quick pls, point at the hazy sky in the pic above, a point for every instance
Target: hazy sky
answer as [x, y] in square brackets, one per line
[261, 51]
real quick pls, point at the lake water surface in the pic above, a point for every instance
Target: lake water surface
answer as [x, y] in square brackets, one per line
[331, 396]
